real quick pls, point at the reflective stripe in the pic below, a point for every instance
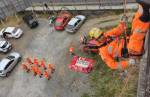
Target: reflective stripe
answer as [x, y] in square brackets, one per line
[116, 54]
[140, 10]
[137, 30]
[119, 66]
[110, 48]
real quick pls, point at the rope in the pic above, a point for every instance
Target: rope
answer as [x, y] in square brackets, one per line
[129, 76]
[125, 4]
[131, 69]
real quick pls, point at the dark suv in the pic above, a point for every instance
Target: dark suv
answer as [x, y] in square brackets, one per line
[30, 20]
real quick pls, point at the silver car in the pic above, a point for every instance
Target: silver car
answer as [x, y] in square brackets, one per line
[5, 46]
[8, 63]
[75, 23]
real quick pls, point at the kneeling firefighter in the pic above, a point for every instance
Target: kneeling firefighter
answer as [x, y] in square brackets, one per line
[116, 53]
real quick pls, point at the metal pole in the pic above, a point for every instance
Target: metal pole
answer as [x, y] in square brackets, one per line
[99, 4]
[74, 5]
[86, 4]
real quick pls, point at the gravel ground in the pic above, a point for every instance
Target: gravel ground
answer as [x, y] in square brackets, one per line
[53, 47]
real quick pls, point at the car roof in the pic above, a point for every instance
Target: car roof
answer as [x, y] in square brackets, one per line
[9, 29]
[73, 21]
[3, 63]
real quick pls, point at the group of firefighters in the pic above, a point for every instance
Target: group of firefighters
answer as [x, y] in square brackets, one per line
[38, 68]
[122, 53]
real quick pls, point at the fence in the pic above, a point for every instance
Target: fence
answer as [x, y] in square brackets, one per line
[10, 7]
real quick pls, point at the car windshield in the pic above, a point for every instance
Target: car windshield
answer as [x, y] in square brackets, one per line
[5, 44]
[70, 26]
[15, 30]
[10, 57]
[78, 18]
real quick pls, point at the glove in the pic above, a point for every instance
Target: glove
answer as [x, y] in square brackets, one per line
[132, 62]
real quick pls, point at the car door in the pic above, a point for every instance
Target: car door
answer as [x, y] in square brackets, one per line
[8, 67]
[78, 24]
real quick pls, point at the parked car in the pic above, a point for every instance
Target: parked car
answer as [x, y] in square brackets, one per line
[11, 32]
[30, 20]
[5, 46]
[62, 20]
[75, 23]
[8, 63]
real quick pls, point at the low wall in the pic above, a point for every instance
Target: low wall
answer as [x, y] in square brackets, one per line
[144, 74]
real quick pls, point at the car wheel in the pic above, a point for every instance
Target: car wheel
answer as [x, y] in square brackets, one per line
[19, 59]
[6, 75]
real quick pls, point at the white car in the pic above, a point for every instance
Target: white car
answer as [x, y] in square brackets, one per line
[5, 46]
[8, 63]
[75, 23]
[11, 32]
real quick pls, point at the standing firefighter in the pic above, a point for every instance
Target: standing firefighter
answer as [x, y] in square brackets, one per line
[140, 25]
[114, 54]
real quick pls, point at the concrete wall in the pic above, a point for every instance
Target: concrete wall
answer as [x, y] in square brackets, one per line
[144, 74]
[9, 7]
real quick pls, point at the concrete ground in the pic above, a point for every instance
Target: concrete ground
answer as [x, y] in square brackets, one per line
[53, 46]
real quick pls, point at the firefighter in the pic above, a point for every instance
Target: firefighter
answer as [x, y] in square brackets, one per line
[51, 68]
[140, 26]
[42, 64]
[36, 62]
[39, 72]
[34, 70]
[26, 68]
[114, 54]
[46, 75]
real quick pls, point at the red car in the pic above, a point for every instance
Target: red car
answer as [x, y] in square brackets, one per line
[62, 20]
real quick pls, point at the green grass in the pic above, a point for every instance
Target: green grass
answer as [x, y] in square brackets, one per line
[107, 83]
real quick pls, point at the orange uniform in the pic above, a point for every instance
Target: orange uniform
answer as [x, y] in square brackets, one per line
[139, 30]
[51, 68]
[25, 67]
[111, 53]
[36, 61]
[34, 70]
[39, 72]
[29, 61]
[46, 75]
[113, 50]
[42, 64]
